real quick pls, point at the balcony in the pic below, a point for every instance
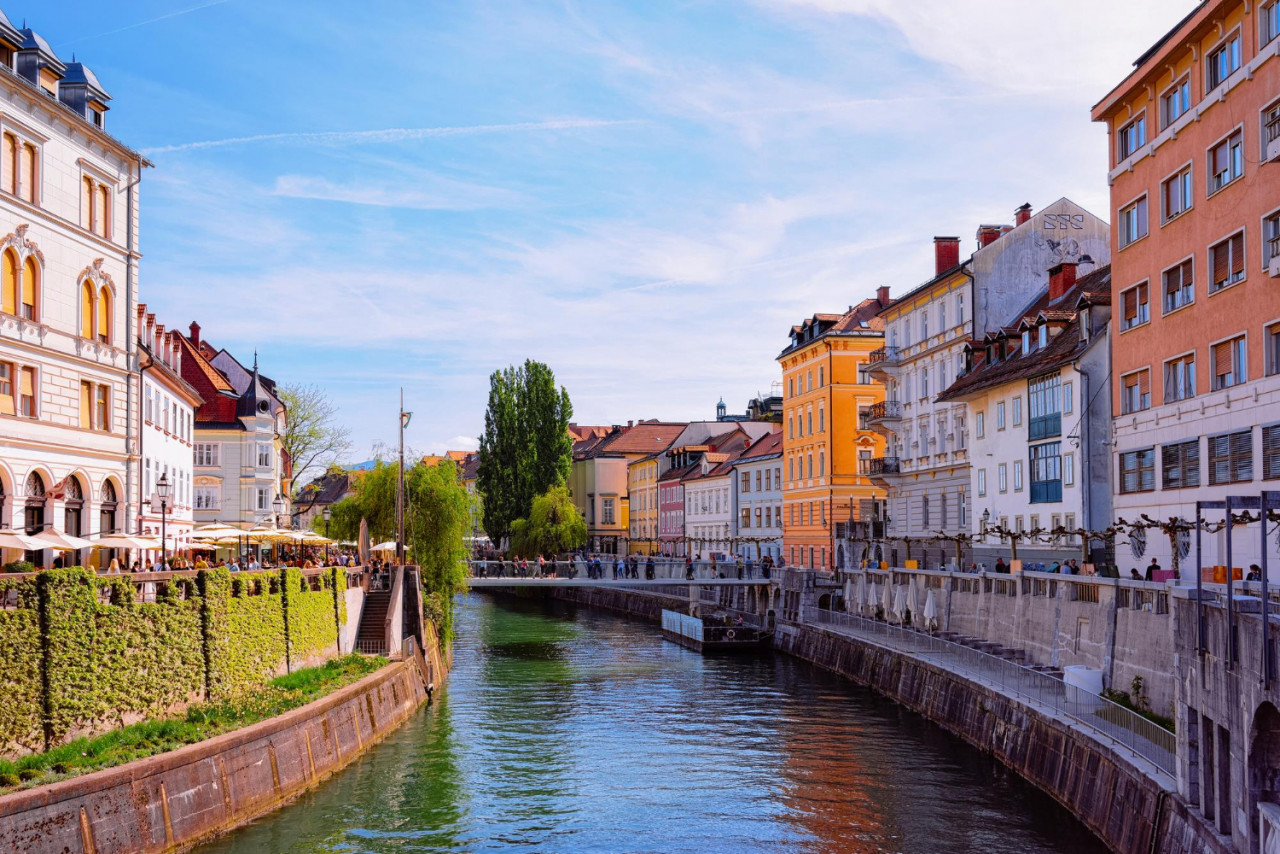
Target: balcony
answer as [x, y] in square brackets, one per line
[1274, 251]
[881, 360]
[1046, 491]
[1273, 138]
[880, 466]
[889, 410]
[1045, 427]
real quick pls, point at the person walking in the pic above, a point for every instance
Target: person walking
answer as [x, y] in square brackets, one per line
[1152, 569]
[648, 568]
[1000, 565]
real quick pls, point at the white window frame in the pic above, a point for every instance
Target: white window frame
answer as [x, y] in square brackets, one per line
[1068, 470]
[1235, 35]
[1002, 477]
[1017, 475]
[1133, 221]
[1181, 86]
[1214, 289]
[1164, 376]
[980, 424]
[1212, 189]
[1123, 151]
[1068, 397]
[1000, 415]
[982, 483]
[1188, 192]
[1268, 23]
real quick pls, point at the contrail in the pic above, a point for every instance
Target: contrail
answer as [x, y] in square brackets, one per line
[157, 19]
[390, 134]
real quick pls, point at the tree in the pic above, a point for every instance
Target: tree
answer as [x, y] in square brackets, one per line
[526, 448]
[554, 525]
[312, 437]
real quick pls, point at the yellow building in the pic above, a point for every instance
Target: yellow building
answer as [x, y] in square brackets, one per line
[642, 484]
[825, 387]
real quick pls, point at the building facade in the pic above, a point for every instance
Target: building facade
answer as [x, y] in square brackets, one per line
[1194, 136]
[68, 283]
[1036, 390]
[240, 468]
[926, 469]
[166, 434]
[757, 499]
[825, 447]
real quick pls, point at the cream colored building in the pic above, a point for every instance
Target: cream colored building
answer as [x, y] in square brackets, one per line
[68, 285]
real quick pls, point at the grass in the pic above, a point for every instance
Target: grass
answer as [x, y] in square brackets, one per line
[201, 721]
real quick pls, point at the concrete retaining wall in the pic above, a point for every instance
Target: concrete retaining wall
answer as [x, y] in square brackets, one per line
[645, 606]
[1125, 808]
[172, 801]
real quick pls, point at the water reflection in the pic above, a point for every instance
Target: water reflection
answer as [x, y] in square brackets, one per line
[567, 732]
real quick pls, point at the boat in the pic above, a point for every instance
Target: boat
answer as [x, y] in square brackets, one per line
[719, 632]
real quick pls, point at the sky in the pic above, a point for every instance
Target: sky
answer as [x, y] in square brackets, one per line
[645, 195]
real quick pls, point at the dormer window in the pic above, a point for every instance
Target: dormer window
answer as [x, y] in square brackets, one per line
[1026, 343]
[1044, 335]
[1085, 323]
[97, 117]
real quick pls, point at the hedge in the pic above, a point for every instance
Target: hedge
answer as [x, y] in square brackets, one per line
[71, 661]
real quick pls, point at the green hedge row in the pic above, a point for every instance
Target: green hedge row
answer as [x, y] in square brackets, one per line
[69, 660]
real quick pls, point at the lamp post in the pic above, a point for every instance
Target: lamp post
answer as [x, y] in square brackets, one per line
[278, 506]
[326, 513]
[163, 490]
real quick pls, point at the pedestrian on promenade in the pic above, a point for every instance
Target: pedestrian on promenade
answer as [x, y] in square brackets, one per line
[1133, 574]
[1000, 565]
[648, 568]
[1255, 573]
[1152, 569]
[688, 568]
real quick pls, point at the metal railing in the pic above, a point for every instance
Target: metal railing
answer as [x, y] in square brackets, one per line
[881, 465]
[1135, 733]
[884, 355]
[371, 647]
[888, 409]
[673, 569]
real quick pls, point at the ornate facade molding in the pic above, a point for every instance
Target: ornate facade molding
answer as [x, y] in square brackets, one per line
[96, 274]
[20, 243]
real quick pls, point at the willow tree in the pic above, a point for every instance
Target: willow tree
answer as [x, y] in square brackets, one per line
[526, 448]
[554, 526]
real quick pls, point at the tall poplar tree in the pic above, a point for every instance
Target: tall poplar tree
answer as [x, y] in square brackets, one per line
[526, 448]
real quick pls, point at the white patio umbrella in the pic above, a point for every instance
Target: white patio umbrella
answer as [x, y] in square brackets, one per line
[11, 539]
[930, 610]
[860, 598]
[388, 546]
[900, 603]
[61, 541]
[887, 600]
[126, 541]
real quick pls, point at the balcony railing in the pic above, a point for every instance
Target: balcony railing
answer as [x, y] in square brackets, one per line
[886, 409]
[881, 465]
[1046, 491]
[1045, 426]
[885, 355]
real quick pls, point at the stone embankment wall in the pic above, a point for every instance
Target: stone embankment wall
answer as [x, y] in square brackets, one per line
[643, 605]
[1127, 809]
[1123, 628]
[173, 801]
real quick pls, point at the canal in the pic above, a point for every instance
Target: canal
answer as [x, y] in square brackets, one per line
[576, 731]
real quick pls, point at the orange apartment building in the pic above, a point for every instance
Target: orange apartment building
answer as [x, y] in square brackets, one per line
[1194, 134]
[825, 385]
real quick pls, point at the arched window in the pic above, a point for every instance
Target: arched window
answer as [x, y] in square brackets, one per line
[27, 173]
[30, 289]
[9, 282]
[90, 217]
[104, 316]
[86, 310]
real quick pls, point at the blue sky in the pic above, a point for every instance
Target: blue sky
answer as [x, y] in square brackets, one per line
[645, 195]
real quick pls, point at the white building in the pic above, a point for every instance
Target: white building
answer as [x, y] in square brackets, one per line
[68, 284]
[240, 467]
[1037, 391]
[757, 499]
[165, 433]
[926, 470]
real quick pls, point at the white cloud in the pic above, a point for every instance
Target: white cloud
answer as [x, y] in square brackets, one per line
[439, 194]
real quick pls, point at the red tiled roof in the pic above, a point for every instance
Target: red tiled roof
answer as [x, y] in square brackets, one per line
[646, 437]
[766, 445]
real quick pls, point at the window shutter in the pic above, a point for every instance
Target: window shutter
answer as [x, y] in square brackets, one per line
[28, 168]
[86, 310]
[1144, 383]
[28, 382]
[1221, 263]
[6, 388]
[1271, 452]
[1191, 463]
[9, 283]
[10, 165]
[86, 404]
[29, 285]
[104, 314]
[1222, 358]
[1130, 305]
[1237, 253]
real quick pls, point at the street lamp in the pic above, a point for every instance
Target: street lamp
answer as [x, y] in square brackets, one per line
[278, 506]
[163, 490]
[326, 513]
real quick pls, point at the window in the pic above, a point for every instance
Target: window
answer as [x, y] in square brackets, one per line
[264, 455]
[924, 383]
[1223, 61]
[1226, 262]
[86, 405]
[263, 498]
[1138, 471]
[808, 427]
[1002, 477]
[822, 419]
[102, 416]
[942, 317]
[1271, 235]
[1269, 23]
[1176, 195]
[822, 462]
[1069, 470]
[9, 282]
[1135, 394]
[104, 316]
[1271, 452]
[22, 161]
[87, 310]
[1135, 307]
[6, 388]
[1017, 412]
[791, 427]
[746, 482]
[1043, 399]
[1226, 161]
[960, 308]
[1179, 286]
[1133, 222]
[27, 393]
[924, 512]
[1180, 465]
[208, 498]
[1231, 458]
[982, 482]
[1000, 415]
[1272, 344]
[980, 424]
[1042, 332]
[1017, 476]
[822, 373]
[206, 453]
[1068, 398]
[1229, 367]
[1180, 378]
[606, 511]
[1132, 137]
[1046, 473]
[29, 309]
[1175, 102]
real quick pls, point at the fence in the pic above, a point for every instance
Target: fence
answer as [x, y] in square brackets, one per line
[1132, 731]
[662, 568]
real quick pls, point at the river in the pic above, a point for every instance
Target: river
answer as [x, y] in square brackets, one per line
[574, 731]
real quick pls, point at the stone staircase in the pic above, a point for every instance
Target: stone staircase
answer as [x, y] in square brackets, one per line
[1016, 656]
[371, 639]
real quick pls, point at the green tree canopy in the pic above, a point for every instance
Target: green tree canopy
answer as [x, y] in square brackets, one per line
[312, 437]
[554, 526]
[526, 448]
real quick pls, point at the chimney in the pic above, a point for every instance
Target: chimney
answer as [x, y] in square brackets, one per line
[988, 234]
[195, 334]
[1062, 278]
[1022, 214]
[882, 295]
[946, 253]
